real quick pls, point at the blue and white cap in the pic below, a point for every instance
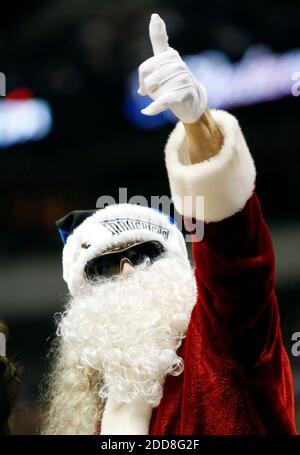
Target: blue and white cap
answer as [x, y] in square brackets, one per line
[87, 234]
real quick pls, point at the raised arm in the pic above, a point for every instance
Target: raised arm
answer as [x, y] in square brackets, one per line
[236, 317]
[207, 155]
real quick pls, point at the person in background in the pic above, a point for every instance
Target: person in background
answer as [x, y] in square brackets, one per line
[9, 383]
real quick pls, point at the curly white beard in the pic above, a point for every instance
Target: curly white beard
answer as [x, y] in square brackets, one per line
[127, 330]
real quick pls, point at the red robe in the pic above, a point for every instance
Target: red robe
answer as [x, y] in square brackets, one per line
[237, 377]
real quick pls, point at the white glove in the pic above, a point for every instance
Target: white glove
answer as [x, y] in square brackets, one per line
[167, 79]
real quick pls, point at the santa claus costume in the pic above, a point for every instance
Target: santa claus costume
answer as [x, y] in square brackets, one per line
[171, 349]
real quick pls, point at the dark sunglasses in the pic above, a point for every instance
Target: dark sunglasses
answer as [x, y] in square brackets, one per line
[108, 264]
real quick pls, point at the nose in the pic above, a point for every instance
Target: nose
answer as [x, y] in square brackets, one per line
[126, 267]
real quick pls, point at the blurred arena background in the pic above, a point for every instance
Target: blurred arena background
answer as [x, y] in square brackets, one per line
[70, 132]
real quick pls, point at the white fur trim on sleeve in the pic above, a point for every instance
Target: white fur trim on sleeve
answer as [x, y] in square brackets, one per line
[226, 180]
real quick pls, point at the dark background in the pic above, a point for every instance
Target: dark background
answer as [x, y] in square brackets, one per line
[78, 55]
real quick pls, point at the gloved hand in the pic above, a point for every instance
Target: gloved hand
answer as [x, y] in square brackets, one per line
[167, 79]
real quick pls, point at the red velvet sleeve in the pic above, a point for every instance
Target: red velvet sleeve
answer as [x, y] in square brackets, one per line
[234, 329]
[234, 269]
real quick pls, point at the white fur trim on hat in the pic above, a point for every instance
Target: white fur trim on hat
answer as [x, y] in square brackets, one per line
[226, 180]
[111, 227]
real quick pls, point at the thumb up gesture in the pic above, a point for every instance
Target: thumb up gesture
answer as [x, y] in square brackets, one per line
[167, 79]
